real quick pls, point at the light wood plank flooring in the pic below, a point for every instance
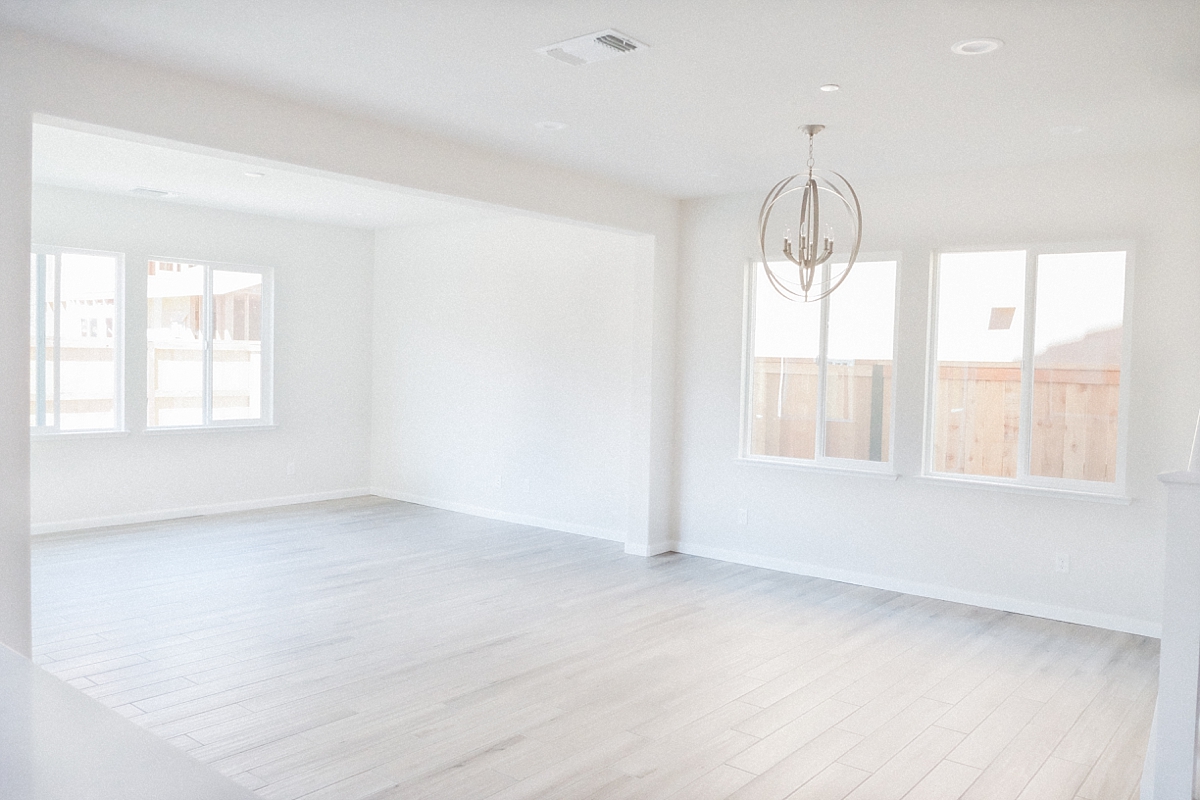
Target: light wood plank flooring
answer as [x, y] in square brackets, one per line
[374, 649]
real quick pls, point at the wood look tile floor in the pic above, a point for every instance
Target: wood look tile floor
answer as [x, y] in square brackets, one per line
[373, 649]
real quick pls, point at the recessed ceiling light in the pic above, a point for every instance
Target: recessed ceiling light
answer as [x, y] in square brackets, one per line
[550, 125]
[255, 174]
[976, 47]
[830, 87]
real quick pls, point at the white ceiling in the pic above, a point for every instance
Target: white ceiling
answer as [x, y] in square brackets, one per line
[106, 162]
[714, 104]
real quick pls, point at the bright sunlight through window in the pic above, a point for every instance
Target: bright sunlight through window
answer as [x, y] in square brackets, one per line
[208, 345]
[76, 336]
[1028, 366]
[820, 382]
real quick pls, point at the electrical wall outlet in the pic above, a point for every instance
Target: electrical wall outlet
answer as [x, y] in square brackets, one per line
[1062, 562]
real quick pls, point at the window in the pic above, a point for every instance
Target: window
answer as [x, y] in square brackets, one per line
[819, 382]
[1027, 367]
[208, 336]
[76, 340]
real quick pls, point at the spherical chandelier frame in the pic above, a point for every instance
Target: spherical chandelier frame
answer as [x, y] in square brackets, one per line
[811, 249]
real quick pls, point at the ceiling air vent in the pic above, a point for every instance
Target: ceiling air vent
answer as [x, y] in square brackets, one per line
[593, 47]
[617, 43]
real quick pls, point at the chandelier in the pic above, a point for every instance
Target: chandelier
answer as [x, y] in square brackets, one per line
[806, 276]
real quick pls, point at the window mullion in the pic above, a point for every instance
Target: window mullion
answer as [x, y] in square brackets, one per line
[822, 371]
[1025, 425]
[928, 445]
[40, 329]
[57, 340]
[206, 328]
[119, 420]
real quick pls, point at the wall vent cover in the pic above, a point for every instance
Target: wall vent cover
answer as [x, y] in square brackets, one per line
[594, 47]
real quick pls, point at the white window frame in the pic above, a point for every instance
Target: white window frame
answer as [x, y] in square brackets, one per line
[1024, 481]
[267, 358]
[820, 462]
[119, 422]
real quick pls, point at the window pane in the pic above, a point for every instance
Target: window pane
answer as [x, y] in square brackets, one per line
[858, 381]
[175, 347]
[784, 389]
[977, 399]
[1077, 365]
[87, 302]
[237, 345]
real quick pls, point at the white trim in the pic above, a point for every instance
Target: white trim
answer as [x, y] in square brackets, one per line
[821, 438]
[931, 368]
[648, 550]
[807, 465]
[58, 436]
[749, 307]
[227, 425]
[120, 420]
[41, 528]
[820, 461]
[505, 516]
[1180, 476]
[1013, 487]
[1028, 354]
[1125, 388]
[1025, 483]
[266, 418]
[1095, 619]
[118, 337]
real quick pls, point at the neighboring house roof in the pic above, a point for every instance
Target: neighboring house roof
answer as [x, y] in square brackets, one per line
[1093, 350]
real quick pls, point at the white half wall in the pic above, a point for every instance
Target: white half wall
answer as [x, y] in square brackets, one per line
[967, 544]
[322, 369]
[504, 370]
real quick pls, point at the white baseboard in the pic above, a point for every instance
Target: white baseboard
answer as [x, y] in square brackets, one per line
[1000, 603]
[648, 550]
[1093, 619]
[503, 516]
[193, 511]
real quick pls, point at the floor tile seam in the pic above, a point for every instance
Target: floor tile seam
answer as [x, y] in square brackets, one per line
[895, 756]
[1116, 729]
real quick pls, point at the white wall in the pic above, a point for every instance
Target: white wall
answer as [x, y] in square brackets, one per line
[991, 548]
[503, 380]
[322, 368]
[41, 76]
[969, 544]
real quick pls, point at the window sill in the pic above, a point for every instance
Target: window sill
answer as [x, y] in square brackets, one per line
[166, 431]
[885, 473]
[1022, 488]
[50, 436]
